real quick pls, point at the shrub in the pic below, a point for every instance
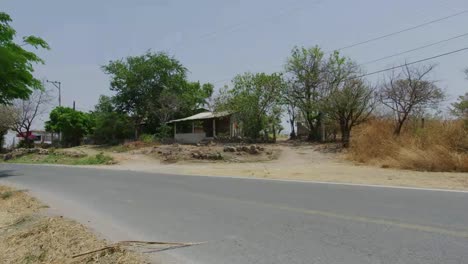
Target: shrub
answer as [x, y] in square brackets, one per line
[439, 146]
[146, 138]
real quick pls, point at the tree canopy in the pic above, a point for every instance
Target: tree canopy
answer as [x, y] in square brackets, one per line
[153, 88]
[109, 125]
[72, 124]
[255, 98]
[16, 71]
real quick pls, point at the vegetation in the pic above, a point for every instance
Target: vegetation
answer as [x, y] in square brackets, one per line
[254, 97]
[109, 125]
[16, 75]
[25, 112]
[153, 88]
[350, 103]
[439, 146]
[62, 158]
[408, 92]
[73, 125]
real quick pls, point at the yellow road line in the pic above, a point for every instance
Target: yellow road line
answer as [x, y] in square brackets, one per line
[361, 219]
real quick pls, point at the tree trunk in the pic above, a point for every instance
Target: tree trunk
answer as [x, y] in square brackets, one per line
[398, 127]
[345, 138]
[293, 129]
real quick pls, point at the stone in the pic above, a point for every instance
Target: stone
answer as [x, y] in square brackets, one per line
[229, 149]
[43, 152]
[7, 156]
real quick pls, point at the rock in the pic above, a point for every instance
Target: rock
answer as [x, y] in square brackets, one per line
[239, 148]
[245, 148]
[196, 154]
[260, 148]
[43, 152]
[214, 156]
[7, 156]
[253, 150]
[229, 149]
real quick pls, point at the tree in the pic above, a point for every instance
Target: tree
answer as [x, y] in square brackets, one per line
[110, 126]
[26, 111]
[7, 114]
[409, 91]
[350, 104]
[16, 72]
[312, 78]
[460, 108]
[255, 98]
[290, 104]
[73, 125]
[152, 88]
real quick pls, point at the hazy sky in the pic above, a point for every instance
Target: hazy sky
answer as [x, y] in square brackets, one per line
[217, 39]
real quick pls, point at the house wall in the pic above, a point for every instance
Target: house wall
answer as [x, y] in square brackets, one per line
[189, 138]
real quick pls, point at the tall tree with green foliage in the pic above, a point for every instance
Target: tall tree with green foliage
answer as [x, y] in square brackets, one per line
[312, 77]
[255, 98]
[110, 125]
[153, 87]
[72, 124]
[16, 63]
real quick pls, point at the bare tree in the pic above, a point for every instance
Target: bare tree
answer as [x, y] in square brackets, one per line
[26, 112]
[350, 104]
[408, 91]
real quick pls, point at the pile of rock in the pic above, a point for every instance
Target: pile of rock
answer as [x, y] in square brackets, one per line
[252, 149]
[16, 153]
[206, 156]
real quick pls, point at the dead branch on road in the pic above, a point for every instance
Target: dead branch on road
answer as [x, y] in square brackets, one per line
[139, 243]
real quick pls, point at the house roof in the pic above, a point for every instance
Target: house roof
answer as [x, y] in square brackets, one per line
[201, 116]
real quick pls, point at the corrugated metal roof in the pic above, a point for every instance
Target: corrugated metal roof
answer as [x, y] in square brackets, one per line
[201, 116]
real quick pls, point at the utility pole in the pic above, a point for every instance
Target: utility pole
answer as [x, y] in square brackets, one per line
[58, 86]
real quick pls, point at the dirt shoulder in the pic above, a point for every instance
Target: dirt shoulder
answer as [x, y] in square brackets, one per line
[294, 162]
[27, 235]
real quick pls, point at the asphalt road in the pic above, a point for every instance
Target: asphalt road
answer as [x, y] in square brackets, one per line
[259, 221]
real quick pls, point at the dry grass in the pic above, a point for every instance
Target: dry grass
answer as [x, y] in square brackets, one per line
[439, 146]
[29, 237]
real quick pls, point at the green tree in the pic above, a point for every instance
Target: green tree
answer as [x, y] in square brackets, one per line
[255, 98]
[110, 125]
[153, 87]
[72, 124]
[312, 78]
[16, 71]
[349, 104]
[460, 107]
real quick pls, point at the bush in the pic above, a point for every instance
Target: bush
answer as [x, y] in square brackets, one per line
[439, 146]
[147, 138]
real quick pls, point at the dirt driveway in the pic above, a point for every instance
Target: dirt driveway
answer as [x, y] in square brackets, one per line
[303, 162]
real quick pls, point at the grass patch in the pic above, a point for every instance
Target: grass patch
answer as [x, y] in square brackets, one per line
[61, 158]
[439, 146]
[6, 195]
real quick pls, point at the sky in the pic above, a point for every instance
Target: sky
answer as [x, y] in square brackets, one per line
[216, 39]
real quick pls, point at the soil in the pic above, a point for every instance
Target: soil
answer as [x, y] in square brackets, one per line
[294, 161]
[29, 236]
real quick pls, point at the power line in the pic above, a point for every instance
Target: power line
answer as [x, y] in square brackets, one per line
[392, 34]
[411, 63]
[415, 49]
[402, 31]
[234, 27]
